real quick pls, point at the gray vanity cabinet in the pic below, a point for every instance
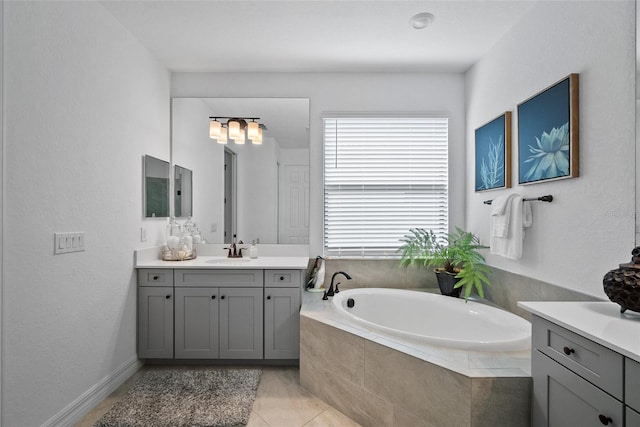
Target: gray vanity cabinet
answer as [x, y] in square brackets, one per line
[155, 314]
[576, 381]
[228, 314]
[241, 323]
[282, 314]
[196, 323]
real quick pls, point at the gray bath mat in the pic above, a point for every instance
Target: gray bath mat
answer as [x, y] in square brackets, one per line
[181, 398]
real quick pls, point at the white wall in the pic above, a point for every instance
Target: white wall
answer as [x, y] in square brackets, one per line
[589, 227]
[356, 92]
[84, 101]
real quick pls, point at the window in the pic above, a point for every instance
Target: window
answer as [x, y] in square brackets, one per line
[383, 176]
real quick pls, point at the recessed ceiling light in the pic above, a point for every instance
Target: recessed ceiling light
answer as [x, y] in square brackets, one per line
[421, 20]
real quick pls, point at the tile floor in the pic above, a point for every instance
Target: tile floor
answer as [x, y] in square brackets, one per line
[280, 402]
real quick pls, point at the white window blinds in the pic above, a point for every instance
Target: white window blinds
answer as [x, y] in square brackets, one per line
[383, 176]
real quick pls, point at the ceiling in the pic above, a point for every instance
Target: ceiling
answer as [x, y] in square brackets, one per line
[317, 36]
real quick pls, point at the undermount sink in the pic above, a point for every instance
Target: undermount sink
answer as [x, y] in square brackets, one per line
[225, 260]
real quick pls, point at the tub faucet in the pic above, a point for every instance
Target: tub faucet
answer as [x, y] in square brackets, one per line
[331, 292]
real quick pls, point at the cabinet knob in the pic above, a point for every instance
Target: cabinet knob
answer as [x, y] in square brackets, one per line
[213, 297]
[604, 419]
[281, 277]
[155, 277]
[568, 351]
[168, 297]
[222, 297]
[269, 297]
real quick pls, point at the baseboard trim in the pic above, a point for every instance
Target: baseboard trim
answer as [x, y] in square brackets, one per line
[92, 397]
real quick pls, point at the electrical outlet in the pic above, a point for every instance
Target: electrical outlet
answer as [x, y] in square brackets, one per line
[214, 228]
[68, 242]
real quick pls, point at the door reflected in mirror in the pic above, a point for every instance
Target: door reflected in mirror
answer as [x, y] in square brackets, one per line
[156, 188]
[265, 195]
[182, 192]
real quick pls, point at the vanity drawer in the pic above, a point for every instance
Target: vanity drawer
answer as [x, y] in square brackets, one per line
[593, 362]
[227, 278]
[149, 277]
[632, 383]
[282, 278]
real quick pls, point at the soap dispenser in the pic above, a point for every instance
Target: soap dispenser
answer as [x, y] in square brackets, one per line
[253, 250]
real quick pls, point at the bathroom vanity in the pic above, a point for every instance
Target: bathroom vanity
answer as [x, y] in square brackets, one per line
[585, 360]
[220, 308]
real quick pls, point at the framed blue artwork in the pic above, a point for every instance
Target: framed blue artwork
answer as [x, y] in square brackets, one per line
[493, 154]
[548, 133]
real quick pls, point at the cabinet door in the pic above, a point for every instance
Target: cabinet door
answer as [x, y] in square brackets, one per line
[196, 324]
[562, 398]
[241, 323]
[155, 322]
[281, 323]
[633, 418]
[632, 383]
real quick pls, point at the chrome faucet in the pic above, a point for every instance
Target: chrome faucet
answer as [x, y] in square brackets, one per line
[331, 292]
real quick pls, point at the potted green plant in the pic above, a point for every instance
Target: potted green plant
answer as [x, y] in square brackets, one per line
[457, 262]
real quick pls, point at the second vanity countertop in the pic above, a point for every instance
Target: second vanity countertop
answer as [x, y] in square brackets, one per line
[601, 322]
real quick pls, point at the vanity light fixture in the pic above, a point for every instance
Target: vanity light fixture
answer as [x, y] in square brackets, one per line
[237, 128]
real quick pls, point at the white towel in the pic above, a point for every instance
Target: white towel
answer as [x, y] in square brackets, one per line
[500, 214]
[510, 246]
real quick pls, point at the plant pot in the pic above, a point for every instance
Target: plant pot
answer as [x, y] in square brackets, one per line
[446, 282]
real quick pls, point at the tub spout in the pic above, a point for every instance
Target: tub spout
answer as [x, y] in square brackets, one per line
[331, 292]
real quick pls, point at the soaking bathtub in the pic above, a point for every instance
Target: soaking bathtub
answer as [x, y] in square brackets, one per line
[435, 319]
[394, 357]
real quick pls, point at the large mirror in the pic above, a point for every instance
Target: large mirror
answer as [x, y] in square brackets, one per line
[156, 187]
[249, 191]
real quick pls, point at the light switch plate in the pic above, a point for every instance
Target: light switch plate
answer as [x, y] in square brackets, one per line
[68, 242]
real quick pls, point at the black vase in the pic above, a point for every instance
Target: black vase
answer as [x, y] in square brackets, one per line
[446, 282]
[622, 285]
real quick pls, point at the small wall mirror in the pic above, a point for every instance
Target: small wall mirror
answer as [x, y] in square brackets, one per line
[183, 193]
[156, 188]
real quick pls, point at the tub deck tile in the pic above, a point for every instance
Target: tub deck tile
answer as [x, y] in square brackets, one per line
[417, 386]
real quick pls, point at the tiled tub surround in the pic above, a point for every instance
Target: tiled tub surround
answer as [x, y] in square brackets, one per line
[506, 290]
[378, 381]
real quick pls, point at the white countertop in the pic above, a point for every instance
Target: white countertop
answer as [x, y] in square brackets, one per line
[292, 257]
[601, 322]
[216, 262]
